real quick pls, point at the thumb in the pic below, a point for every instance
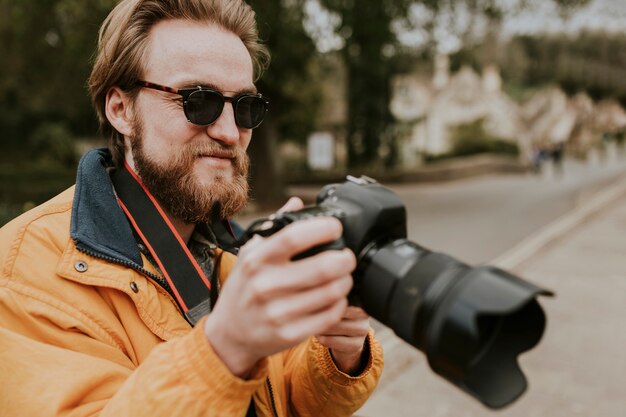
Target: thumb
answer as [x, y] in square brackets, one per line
[293, 204]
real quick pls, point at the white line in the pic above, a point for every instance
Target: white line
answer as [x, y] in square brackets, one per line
[528, 247]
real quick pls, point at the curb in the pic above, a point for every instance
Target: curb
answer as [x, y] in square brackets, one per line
[530, 246]
[445, 170]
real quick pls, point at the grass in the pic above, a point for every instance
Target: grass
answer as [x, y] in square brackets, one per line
[25, 185]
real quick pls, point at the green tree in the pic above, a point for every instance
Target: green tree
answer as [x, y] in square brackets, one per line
[46, 49]
[370, 54]
[369, 44]
[589, 62]
[291, 84]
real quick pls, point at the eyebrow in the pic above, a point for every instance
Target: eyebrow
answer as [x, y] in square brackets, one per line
[196, 83]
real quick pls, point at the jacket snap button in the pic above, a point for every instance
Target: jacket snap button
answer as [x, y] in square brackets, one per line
[80, 266]
[134, 287]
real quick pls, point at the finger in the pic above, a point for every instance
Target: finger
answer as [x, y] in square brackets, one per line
[249, 246]
[348, 328]
[298, 237]
[355, 313]
[309, 325]
[303, 303]
[293, 204]
[306, 273]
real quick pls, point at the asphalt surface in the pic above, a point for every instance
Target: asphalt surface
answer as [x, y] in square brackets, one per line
[478, 219]
[579, 367]
[564, 232]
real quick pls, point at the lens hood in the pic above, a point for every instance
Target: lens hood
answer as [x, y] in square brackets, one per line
[477, 330]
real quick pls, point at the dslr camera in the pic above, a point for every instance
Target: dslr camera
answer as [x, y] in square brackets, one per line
[470, 322]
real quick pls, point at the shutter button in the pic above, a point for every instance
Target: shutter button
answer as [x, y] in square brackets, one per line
[134, 287]
[80, 266]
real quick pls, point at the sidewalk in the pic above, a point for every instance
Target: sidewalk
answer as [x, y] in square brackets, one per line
[579, 367]
[445, 170]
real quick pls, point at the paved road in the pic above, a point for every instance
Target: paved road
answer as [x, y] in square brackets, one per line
[578, 369]
[477, 220]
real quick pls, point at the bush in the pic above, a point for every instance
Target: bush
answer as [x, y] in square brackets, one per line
[471, 139]
[53, 141]
[24, 185]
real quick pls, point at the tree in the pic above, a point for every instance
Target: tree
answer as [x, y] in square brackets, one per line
[369, 42]
[371, 46]
[294, 93]
[588, 62]
[46, 49]
[372, 54]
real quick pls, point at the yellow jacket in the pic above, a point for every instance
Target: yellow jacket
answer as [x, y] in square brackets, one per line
[80, 335]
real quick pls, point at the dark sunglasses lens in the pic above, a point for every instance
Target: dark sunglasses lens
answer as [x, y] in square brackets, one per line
[203, 107]
[250, 111]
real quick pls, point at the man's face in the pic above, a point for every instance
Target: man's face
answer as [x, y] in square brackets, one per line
[187, 167]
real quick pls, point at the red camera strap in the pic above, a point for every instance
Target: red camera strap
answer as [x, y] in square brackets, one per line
[189, 284]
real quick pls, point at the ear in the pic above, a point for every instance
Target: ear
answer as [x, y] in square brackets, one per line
[119, 111]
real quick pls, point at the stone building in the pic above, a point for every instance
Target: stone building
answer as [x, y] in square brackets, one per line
[428, 110]
[552, 118]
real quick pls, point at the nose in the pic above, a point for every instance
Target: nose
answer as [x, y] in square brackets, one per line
[224, 129]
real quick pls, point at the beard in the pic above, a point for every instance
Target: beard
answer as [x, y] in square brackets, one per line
[180, 193]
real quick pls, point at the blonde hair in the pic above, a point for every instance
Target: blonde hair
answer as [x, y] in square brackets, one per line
[122, 45]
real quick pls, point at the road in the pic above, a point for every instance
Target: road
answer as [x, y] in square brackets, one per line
[477, 220]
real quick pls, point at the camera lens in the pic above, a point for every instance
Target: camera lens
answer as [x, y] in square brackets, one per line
[471, 322]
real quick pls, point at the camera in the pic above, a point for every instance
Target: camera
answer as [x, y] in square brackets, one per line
[470, 322]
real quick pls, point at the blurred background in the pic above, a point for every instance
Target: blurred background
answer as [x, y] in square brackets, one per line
[498, 122]
[379, 87]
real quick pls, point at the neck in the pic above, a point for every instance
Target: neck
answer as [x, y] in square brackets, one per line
[185, 230]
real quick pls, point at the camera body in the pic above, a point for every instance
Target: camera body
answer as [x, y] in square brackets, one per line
[471, 322]
[369, 213]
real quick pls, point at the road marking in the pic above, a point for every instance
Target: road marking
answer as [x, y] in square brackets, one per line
[530, 246]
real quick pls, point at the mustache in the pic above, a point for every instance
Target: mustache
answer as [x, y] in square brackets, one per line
[215, 149]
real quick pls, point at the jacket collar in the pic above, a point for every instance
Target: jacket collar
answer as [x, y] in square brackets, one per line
[99, 226]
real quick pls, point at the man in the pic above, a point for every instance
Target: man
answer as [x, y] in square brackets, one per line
[92, 318]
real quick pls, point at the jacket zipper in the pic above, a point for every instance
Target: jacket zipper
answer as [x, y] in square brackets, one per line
[159, 280]
[271, 393]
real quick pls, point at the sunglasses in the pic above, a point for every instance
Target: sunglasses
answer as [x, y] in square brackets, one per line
[203, 106]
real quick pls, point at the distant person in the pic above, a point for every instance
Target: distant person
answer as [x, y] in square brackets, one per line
[557, 152]
[96, 317]
[538, 156]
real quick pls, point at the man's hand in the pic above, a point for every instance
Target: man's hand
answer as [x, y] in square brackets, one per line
[271, 303]
[346, 340]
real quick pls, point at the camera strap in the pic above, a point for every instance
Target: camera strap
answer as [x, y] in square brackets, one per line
[190, 286]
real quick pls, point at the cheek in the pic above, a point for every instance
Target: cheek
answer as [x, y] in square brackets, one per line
[163, 136]
[161, 114]
[245, 138]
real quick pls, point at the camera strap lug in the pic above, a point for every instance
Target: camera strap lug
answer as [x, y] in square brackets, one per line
[362, 180]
